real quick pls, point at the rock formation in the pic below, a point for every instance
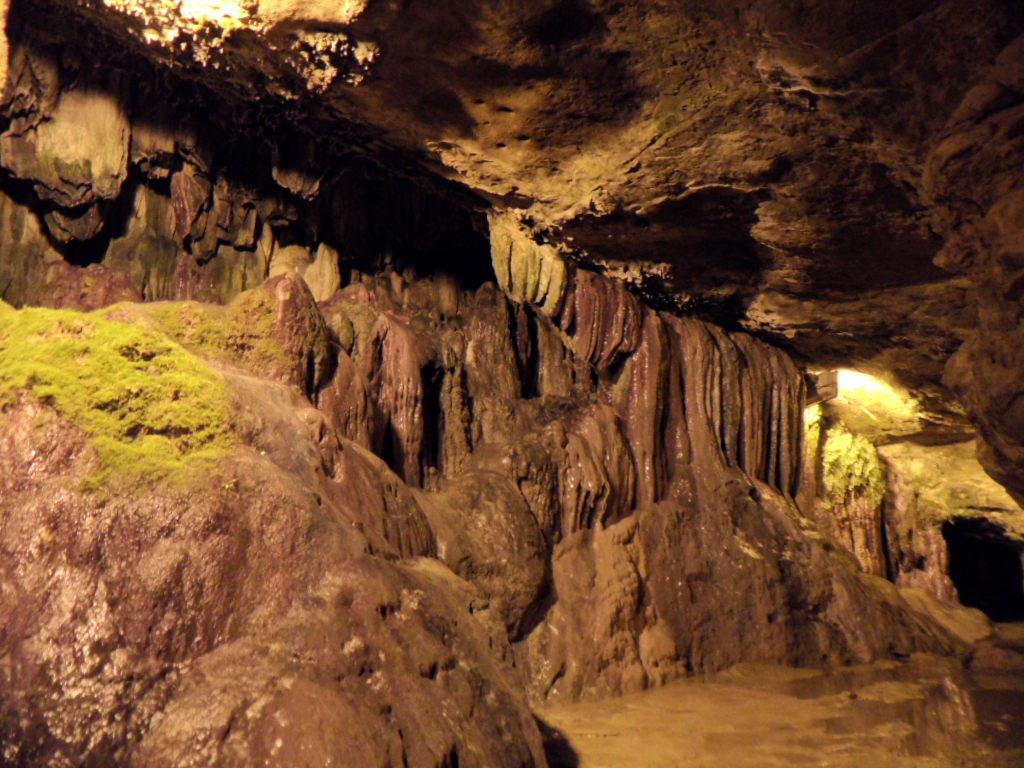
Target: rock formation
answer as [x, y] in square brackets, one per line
[370, 372]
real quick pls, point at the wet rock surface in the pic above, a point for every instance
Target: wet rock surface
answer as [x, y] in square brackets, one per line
[386, 390]
[213, 617]
[846, 191]
[823, 177]
[574, 556]
[921, 713]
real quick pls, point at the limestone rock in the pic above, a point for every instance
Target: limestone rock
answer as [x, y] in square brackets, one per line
[527, 271]
[484, 526]
[76, 156]
[923, 500]
[291, 258]
[63, 286]
[745, 163]
[79, 154]
[3, 40]
[504, 419]
[150, 603]
[322, 275]
[319, 11]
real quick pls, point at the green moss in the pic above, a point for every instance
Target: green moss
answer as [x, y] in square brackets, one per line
[812, 421]
[947, 481]
[149, 407]
[812, 433]
[851, 468]
[243, 332]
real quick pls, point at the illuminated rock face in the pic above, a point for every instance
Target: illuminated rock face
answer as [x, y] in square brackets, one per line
[882, 480]
[486, 445]
[752, 156]
[294, 587]
[824, 178]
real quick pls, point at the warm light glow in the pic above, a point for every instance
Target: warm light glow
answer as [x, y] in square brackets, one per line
[201, 28]
[871, 407]
[164, 20]
[212, 10]
[856, 385]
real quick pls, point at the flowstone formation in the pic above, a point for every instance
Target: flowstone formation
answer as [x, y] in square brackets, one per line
[902, 497]
[291, 587]
[326, 435]
[841, 180]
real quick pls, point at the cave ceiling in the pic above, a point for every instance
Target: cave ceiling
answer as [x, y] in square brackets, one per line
[843, 178]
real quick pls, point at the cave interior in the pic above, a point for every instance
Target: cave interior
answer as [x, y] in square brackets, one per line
[563, 382]
[985, 567]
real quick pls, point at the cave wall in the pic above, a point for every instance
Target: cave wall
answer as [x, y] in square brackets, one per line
[167, 192]
[823, 179]
[468, 472]
[882, 482]
[974, 177]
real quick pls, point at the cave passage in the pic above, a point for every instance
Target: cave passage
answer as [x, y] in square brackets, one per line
[985, 566]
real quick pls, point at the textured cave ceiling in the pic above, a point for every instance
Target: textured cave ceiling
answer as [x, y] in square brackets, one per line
[843, 179]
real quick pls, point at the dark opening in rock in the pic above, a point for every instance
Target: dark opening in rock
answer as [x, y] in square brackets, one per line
[985, 566]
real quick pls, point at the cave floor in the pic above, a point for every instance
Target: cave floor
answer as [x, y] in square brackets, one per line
[921, 713]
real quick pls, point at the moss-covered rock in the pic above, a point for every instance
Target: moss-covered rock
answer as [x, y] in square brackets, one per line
[851, 468]
[149, 406]
[947, 481]
[242, 332]
[275, 331]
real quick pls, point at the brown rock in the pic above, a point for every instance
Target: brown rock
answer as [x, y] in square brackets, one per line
[487, 535]
[63, 286]
[170, 610]
[428, 466]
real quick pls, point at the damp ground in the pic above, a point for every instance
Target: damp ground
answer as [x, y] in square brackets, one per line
[925, 712]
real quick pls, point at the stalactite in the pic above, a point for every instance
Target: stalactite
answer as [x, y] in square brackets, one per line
[646, 404]
[598, 479]
[555, 364]
[756, 405]
[527, 271]
[456, 420]
[744, 400]
[606, 319]
[701, 389]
